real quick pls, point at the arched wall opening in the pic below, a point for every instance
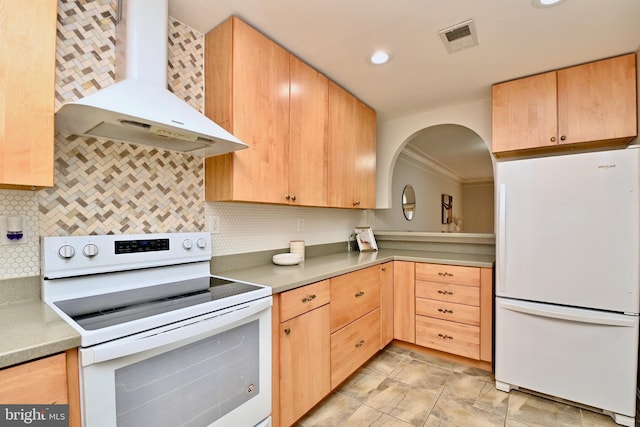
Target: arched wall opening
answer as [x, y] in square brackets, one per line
[395, 135]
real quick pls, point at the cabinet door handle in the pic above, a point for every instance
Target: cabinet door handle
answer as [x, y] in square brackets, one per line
[359, 343]
[293, 198]
[445, 337]
[553, 139]
[309, 298]
[563, 137]
[359, 294]
[445, 311]
[445, 292]
[287, 331]
[445, 274]
[384, 268]
[287, 197]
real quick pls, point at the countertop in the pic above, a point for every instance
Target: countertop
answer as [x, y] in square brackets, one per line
[30, 329]
[284, 278]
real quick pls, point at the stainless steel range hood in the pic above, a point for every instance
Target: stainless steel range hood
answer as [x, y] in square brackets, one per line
[139, 109]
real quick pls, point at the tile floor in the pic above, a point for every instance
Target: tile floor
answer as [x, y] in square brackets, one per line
[403, 388]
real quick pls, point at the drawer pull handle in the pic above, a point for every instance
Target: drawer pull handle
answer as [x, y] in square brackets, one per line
[445, 311]
[445, 337]
[445, 292]
[287, 331]
[309, 298]
[445, 274]
[359, 294]
[359, 343]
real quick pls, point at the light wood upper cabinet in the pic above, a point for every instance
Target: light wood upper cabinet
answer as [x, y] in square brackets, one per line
[247, 92]
[351, 151]
[309, 109]
[311, 143]
[589, 105]
[27, 90]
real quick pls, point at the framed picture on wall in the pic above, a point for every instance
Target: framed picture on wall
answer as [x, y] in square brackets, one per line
[447, 209]
[366, 240]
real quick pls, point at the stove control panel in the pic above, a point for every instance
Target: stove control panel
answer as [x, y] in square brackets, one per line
[77, 255]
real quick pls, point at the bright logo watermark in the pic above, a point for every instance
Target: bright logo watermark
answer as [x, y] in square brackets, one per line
[34, 415]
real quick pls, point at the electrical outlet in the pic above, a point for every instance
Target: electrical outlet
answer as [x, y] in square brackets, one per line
[300, 224]
[214, 224]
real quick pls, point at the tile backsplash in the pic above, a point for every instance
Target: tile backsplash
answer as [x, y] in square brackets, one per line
[21, 260]
[105, 187]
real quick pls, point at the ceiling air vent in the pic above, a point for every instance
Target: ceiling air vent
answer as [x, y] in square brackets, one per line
[460, 36]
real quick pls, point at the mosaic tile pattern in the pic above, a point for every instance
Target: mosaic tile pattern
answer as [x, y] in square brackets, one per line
[252, 227]
[85, 50]
[185, 74]
[106, 187]
[24, 259]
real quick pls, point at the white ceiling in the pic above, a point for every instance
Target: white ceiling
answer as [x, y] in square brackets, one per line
[515, 40]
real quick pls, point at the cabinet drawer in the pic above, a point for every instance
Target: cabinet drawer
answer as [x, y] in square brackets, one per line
[300, 300]
[460, 294]
[43, 381]
[353, 295]
[450, 337]
[461, 313]
[353, 345]
[442, 273]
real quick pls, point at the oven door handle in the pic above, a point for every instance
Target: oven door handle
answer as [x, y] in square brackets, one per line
[206, 325]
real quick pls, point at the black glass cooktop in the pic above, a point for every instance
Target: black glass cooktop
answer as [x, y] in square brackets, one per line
[100, 311]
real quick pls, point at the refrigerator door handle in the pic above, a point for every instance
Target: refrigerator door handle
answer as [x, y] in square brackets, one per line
[502, 238]
[570, 314]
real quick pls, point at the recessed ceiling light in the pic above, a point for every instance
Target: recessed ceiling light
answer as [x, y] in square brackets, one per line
[546, 3]
[379, 57]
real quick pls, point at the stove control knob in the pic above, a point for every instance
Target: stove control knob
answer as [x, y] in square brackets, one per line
[202, 243]
[66, 252]
[90, 250]
[187, 244]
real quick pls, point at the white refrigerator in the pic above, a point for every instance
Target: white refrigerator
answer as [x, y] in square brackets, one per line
[568, 278]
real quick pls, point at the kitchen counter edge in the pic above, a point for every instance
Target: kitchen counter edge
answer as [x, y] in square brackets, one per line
[311, 270]
[32, 330]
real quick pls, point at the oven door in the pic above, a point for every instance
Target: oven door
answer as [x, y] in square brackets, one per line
[213, 370]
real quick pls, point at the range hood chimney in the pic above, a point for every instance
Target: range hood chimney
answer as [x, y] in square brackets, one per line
[139, 109]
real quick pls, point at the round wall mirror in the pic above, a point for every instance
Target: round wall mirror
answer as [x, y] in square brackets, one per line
[408, 202]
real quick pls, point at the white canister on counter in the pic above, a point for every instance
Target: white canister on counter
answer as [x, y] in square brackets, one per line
[297, 247]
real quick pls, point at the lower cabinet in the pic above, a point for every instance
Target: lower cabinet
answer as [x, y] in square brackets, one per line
[453, 309]
[355, 321]
[386, 303]
[325, 331]
[304, 356]
[353, 345]
[48, 381]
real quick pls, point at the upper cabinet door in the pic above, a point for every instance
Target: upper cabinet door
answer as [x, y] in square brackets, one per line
[524, 113]
[598, 101]
[341, 148]
[366, 158]
[591, 105]
[27, 90]
[309, 109]
[247, 91]
[351, 151]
